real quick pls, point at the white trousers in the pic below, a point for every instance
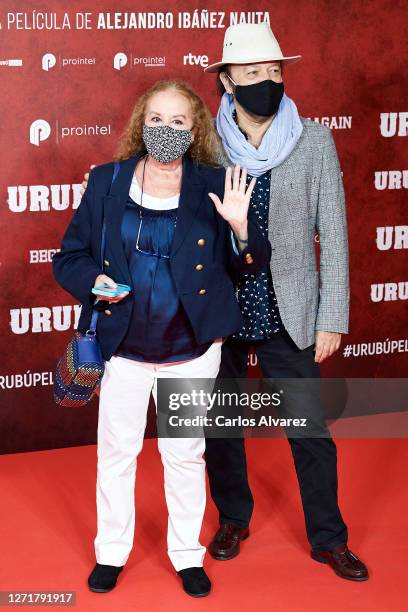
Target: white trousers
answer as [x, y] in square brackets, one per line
[124, 398]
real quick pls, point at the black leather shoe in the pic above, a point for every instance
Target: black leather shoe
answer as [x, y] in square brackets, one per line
[226, 542]
[344, 562]
[103, 577]
[195, 581]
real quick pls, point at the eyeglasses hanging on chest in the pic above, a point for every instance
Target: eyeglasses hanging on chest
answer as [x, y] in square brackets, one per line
[137, 245]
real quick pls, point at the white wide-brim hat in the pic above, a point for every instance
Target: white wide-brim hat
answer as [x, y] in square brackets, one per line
[250, 43]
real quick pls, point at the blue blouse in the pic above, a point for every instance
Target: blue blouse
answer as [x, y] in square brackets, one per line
[255, 292]
[159, 329]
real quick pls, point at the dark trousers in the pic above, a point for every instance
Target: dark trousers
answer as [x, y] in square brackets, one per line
[315, 458]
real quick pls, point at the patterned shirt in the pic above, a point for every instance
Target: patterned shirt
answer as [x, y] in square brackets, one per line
[255, 292]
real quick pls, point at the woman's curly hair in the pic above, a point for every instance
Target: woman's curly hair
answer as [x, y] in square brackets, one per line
[206, 142]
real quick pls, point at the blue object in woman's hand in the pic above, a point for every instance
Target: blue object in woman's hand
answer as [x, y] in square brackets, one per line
[110, 291]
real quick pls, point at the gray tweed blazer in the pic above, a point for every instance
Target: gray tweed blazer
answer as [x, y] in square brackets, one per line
[307, 195]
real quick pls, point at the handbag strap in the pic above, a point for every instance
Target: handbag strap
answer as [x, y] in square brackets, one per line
[103, 241]
[95, 313]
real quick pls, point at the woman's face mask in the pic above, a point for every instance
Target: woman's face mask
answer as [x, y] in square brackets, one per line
[260, 98]
[165, 143]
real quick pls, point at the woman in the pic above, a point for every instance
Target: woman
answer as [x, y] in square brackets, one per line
[177, 227]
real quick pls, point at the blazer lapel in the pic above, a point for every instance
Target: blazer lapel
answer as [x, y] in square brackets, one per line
[113, 209]
[192, 186]
[280, 218]
[275, 201]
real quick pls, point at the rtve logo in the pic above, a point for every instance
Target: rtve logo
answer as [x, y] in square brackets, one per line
[39, 130]
[120, 60]
[195, 60]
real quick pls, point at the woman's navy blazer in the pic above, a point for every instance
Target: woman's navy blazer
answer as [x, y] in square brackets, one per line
[202, 259]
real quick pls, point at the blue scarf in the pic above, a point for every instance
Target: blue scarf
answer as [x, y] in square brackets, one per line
[277, 144]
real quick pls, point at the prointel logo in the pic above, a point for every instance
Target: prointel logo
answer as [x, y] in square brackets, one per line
[40, 130]
[120, 60]
[48, 61]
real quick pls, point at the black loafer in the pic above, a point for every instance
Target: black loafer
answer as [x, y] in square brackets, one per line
[226, 542]
[195, 581]
[344, 562]
[103, 578]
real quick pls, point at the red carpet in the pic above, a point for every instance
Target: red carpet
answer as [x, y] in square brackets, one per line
[48, 523]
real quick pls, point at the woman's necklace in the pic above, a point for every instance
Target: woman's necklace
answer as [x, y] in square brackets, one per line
[141, 195]
[137, 246]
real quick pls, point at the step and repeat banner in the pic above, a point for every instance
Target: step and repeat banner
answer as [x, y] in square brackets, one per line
[70, 74]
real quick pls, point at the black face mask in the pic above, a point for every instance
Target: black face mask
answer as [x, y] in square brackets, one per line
[261, 98]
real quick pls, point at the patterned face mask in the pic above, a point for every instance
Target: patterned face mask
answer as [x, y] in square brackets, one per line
[165, 143]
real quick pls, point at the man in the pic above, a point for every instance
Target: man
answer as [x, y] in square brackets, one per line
[292, 318]
[292, 322]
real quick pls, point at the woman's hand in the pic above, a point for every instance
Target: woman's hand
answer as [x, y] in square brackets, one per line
[234, 208]
[103, 279]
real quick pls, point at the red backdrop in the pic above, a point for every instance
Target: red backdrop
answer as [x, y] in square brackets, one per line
[67, 95]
